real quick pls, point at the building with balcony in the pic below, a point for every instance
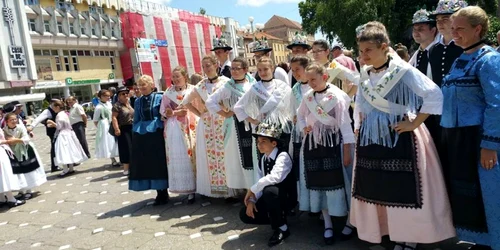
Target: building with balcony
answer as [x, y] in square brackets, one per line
[279, 53]
[75, 45]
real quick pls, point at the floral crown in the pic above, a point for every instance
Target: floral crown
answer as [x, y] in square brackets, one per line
[422, 16]
[268, 130]
[449, 7]
[360, 29]
[259, 45]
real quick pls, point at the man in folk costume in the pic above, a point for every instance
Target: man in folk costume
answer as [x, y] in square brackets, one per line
[442, 56]
[266, 201]
[222, 50]
[237, 139]
[424, 33]
[299, 46]
[261, 48]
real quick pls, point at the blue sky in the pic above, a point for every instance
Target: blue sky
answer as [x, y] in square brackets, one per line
[240, 10]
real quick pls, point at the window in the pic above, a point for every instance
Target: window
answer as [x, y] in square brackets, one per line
[59, 27]
[75, 63]
[46, 25]
[87, 53]
[32, 24]
[103, 31]
[66, 63]
[58, 63]
[93, 30]
[37, 52]
[71, 28]
[80, 53]
[54, 52]
[112, 61]
[60, 4]
[95, 9]
[73, 52]
[111, 53]
[101, 53]
[113, 34]
[82, 29]
[106, 53]
[45, 52]
[31, 2]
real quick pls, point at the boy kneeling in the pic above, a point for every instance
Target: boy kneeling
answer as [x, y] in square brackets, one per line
[266, 200]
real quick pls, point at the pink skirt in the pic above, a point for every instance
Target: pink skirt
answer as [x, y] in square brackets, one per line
[429, 224]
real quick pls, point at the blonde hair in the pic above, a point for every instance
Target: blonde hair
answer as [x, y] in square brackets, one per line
[266, 59]
[375, 33]
[316, 68]
[211, 58]
[145, 80]
[183, 72]
[475, 16]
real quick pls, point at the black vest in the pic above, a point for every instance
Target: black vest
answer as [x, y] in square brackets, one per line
[442, 58]
[226, 71]
[422, 61]
[50, 131]
[289, 182]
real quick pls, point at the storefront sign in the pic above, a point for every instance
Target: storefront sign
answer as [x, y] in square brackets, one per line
[111, 76]
[48, 84]
[44, 69]
[17, 84]
[147, 50]
[70, 81]
[17, 60]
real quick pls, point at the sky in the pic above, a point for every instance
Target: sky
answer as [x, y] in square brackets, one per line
[240, 10]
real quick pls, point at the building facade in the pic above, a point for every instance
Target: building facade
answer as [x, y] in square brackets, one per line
[76, 46]
[279, 53]
[17, 68]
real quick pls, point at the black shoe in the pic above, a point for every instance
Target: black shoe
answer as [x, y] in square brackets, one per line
[480, 247]
[329, 240]
[16, 203]
[53, 170]
[28, 196]
[19, 196]
[404, 246]
[64, 174]
[232, 200]
[116, 164]
[345, 237]
[278, 237]
[76, 164]
[192, 200]
[161, 199]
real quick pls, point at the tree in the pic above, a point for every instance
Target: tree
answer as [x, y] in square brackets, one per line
[339, 18]
[493, 29]
[203, 11]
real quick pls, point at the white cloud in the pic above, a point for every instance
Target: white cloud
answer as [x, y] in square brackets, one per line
[258, 3]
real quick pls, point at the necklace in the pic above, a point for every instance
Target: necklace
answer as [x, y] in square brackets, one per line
[267, 80]
[211, 80]
[239, 80]
[322, 91]
[179, 88]
[474, 45]
[386, 64]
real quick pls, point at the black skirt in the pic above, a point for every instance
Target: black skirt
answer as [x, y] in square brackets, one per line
[23, 166]
[460, 159]
[148, 161]
[244, 138]
[388, 176]
[323, 166]
[125, 143]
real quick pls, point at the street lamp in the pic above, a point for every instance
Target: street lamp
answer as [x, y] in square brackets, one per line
[250, 19]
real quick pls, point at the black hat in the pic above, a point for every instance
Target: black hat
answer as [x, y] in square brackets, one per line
[260, 45]
[122, 89]
[221, 43]
[422, 16]
[299, 40]
[448, 7]
[267, 130]
[9, 107]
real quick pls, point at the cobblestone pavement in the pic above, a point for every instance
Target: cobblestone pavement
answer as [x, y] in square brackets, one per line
[94, 209]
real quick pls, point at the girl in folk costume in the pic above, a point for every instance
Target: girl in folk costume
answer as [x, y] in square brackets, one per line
[398, 187]
[179, 134]
[105, 144]
[237, 139]
[323, 116]
[68, 148]
[28, 165]
[210, 157]
[8, 181]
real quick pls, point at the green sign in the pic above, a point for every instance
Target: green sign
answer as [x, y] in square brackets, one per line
[70, 81]
[111, 76]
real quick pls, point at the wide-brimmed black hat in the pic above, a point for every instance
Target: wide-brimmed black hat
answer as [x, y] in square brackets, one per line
[260, 45]
[221, 43]
[299, 40]
[122, 89]
[267, 130]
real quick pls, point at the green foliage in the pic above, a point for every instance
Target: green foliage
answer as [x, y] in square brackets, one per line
[203, 11]
[45, 104]
[493, 29]
[339, 18]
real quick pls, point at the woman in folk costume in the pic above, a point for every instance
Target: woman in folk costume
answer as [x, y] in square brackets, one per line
[68, 148]
[237, 139]
[471, 132]
[210, 156]
[179, 134]
[105, 144]
[8, 181]
[148, 163]
[323, 116]
[28, 166]
[398, 187]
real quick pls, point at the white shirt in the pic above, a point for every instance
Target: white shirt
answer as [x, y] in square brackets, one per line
[75, 114]
[281, 169]
[42, 117]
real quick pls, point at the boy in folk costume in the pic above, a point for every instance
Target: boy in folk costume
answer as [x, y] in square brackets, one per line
[222, 50]
[180, 124]
[237, 139]
[299, 46]
[398, 188]
[323, 116]
[260, 48]
[424, 33]
[266, 201]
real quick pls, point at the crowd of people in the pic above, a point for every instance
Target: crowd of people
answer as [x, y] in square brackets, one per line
[403, 146]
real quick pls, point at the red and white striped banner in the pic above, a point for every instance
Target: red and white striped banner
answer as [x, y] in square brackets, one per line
[189, 38]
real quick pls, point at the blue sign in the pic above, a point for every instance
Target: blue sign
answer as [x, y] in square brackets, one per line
[161, 43]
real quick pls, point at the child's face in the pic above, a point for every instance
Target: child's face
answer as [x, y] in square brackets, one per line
[265, 145]
[316, 81]
[265, 70]
[12, 122]
[298, 71]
